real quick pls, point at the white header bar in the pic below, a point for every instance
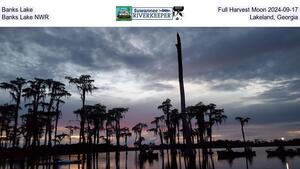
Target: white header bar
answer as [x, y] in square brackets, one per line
[104, 13]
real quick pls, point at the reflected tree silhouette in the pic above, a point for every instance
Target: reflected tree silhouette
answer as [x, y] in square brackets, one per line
[107, 160]
[117, 159]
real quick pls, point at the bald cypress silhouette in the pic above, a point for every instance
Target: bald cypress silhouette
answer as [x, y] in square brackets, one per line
[35, 95]
[137, 129]
[71, 132]
[125, 132]
[108, 127]
[15, 88]
[157, 128]
[57, 91]
[97, 117]
[215, 116]
[6, 117]
[166, 107]
[198, 111]
[117, 114]
[59, 138]
[84, 84]
[243, 121]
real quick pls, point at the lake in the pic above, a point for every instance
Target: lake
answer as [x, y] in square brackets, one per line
[130, 160]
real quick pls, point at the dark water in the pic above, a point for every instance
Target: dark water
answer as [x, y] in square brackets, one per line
[166, 160]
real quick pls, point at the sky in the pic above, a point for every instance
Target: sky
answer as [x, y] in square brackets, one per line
[250, 72]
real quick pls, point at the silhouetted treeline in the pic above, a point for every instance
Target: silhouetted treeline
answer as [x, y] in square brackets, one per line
[201, 118]
[32, 116]
[40, 101]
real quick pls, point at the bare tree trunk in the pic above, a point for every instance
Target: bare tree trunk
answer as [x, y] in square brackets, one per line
[98, 135]
[49, 133]
[244, 140]
[161, 137]
[46, 133]
[56, 121]
[107, 135]
[82, 122]
[16, 120]
[243, 134]
[186, 129]
[118, 132]
[50, 118]
[70, 138]
[178, 135]
[95, 135]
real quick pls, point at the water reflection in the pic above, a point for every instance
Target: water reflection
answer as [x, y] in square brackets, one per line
[284, 160]
[167, 159]
[180, 159]
[287, 166]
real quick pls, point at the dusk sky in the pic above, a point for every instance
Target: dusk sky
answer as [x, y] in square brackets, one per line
[250, 72]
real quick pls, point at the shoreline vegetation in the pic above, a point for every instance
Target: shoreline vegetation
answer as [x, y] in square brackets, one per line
[29, 123]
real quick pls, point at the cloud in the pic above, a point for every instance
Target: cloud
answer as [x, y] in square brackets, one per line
[282, 92]
[294, 133]
[158, 86]
[257, 131]
[265, 113]
[248, 71]
[245, 54]
[209, 53]
[228, 85]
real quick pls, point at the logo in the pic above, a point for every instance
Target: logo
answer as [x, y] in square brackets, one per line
[150, 13]
[128, 13]
[123, 13]
[178, 12]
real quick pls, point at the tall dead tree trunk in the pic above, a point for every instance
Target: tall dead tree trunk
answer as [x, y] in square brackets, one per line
[186, 129]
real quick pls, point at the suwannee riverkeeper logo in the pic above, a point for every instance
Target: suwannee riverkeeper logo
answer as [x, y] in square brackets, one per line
[129, 13]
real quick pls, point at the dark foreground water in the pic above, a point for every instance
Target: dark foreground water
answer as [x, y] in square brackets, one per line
[166, 160]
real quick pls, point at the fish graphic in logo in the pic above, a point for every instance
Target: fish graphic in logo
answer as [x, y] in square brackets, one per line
[123, 13]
